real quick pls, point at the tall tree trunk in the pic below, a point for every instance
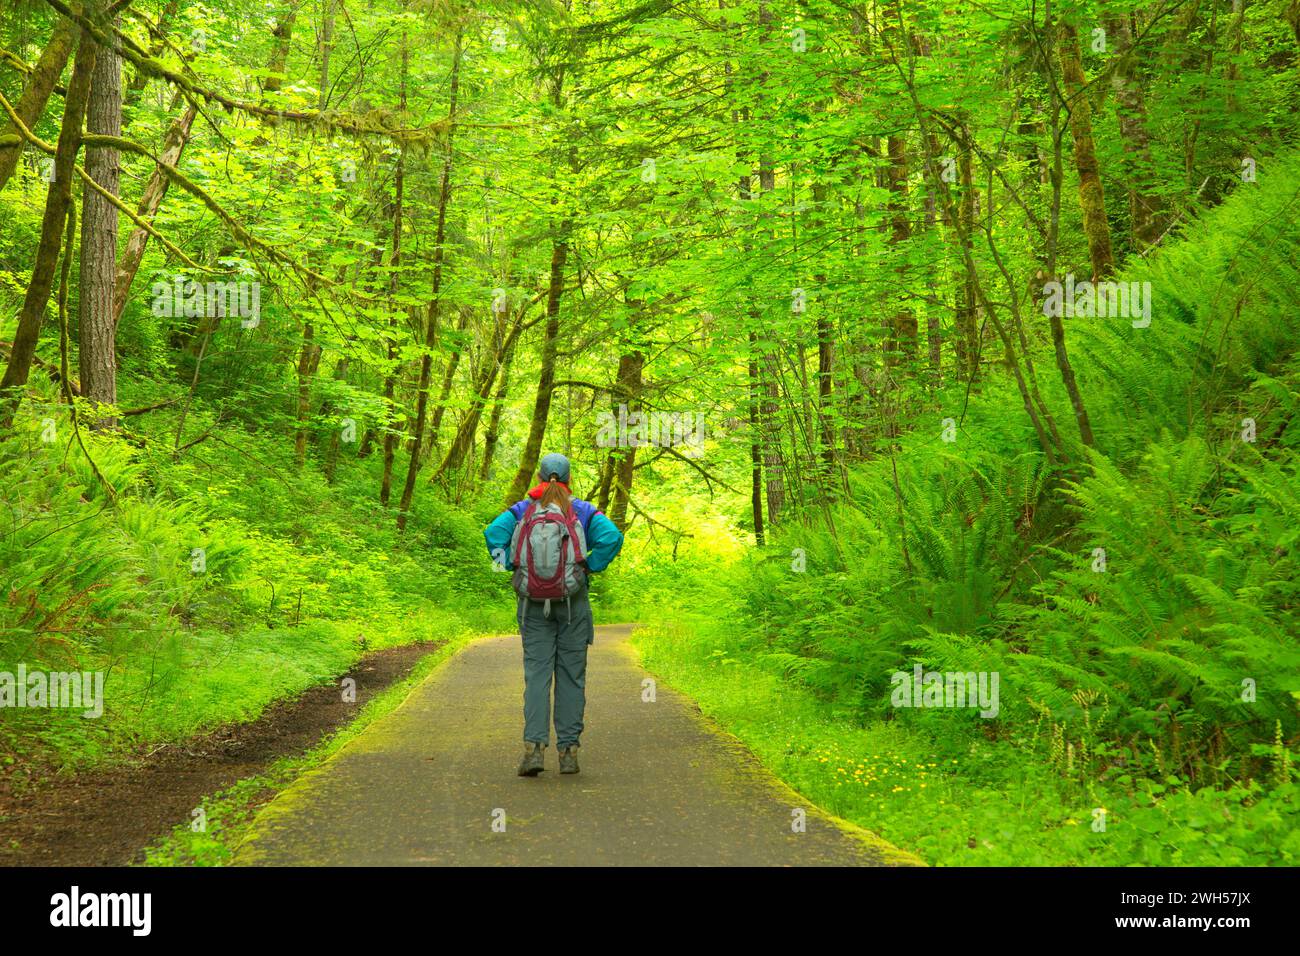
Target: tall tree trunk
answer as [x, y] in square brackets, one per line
[308, 362]
[1067, 377]
[178, 135]
[1092, 198]
[901, 344]
[933, 331]
[756, 428]
[825, 343]
[464, 440]
[755, 441]
[968, 344]
[390, 375]
[279, 62]
[551, 331]
[439, 257]
[97, 329]
[902, 329]
[770, 435]
[1197, 56]
[1231, 73]
[332, 454]
[769, 366]
[546, 377]
[58, 199]
[140, 79]
[1146, 206]
[36, 94]
[606, 482]
[326, 49]
[773, 453]
[390, 400]
[448, 380]
[1039, 417]
[825, 388]
[769, 369]
[1048, 258]
[745, 192]
[493, 435]
[630, 368]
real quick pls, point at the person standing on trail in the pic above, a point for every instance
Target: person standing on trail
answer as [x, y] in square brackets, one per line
[550, 541]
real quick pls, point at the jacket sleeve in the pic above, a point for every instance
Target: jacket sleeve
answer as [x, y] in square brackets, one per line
[604, 541]
[497, 535]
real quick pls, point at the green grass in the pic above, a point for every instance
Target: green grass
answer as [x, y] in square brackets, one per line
[299, 578]
[955, 799]
[218, 678]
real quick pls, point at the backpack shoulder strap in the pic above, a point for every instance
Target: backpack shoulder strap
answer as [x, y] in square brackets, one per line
[574, 523]
[523, 530]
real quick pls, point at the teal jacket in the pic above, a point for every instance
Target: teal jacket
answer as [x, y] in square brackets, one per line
[604, 540]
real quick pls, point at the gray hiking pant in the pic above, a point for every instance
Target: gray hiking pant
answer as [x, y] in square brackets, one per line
[555, 647]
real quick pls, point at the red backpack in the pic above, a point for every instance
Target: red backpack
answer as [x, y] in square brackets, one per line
[547, 549]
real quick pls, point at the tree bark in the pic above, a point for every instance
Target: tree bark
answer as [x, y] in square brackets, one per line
[390, 376]
[326, 49]
[464, 440]
[448, 380]
[773, 456]
[903, 328]
[606, 482]
[755, 441]
[773, 453]
[1067, 377]
[1146, 207]
[546, 377]
[332, 454]
[279, 62]
[825, 344]
[439, 257]
[1038, 414]
[968, 345]
[178, 135]
[493, 435]
[36, 94]
[140, 79]
[97, 327]
[1092, 198]
[58, 199]
[901, 344]
[308, 362]
[630, 368]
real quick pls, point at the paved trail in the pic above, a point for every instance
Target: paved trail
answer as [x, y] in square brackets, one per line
[657, 787]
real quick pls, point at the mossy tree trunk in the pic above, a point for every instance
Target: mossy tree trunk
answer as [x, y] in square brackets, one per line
[1092, 198]
[36, 94]
[58, 200]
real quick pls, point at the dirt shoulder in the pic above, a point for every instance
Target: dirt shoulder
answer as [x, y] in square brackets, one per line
[107, 817]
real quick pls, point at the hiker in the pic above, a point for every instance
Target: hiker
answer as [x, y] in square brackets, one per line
[551, 540]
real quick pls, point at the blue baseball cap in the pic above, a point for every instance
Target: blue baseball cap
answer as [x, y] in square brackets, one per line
[554, 464]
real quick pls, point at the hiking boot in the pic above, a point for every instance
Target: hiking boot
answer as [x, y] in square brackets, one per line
[532, 764]
[569, 760]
